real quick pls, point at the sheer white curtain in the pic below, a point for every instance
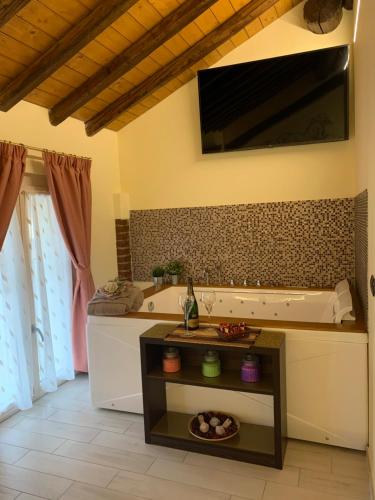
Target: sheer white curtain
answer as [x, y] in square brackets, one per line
[51, 274]
[16, 356]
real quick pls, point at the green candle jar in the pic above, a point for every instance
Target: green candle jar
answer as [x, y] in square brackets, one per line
[211, 364]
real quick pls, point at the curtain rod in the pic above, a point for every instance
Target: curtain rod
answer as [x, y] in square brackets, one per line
[34, 148]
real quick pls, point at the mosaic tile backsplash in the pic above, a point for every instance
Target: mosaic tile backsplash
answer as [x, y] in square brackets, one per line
[361, 247]
[303, 243]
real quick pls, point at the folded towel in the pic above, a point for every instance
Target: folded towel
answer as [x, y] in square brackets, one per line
[128, 299]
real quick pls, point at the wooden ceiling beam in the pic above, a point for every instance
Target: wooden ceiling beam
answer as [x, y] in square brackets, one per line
[178, 65]
[64, 49]
[10, 8]
[130, 57]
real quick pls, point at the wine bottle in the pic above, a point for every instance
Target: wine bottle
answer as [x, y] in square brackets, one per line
[191, 308]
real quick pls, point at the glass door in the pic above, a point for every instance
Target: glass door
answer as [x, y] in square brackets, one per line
[50, 277]
[35, 304]
[16, 352]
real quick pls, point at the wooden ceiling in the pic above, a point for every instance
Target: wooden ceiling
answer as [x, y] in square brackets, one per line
[106, 62]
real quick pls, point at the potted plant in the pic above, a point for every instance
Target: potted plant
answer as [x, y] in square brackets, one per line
[174, 269]
[158, 273]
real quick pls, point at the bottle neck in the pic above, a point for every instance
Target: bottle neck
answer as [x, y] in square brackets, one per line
[190, 290]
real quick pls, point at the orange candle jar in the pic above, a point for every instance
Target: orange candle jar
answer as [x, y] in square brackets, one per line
[171, 360]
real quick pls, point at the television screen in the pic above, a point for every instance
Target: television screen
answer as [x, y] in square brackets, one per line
[288, 100]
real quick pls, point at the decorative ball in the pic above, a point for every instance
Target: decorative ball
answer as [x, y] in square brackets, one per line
[220, 431]
[214, 421]
[227, 423]
[204, 427]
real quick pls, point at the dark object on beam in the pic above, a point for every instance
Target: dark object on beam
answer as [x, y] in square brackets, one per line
[178, 65]
[130, 57]
[347, 4]
[64, 49]
[322, 16]
[9, 8]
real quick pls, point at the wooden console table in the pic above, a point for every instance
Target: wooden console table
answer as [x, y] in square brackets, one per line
[258, 444]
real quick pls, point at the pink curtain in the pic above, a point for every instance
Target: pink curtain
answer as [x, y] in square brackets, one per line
[12, 168]
[69, 184]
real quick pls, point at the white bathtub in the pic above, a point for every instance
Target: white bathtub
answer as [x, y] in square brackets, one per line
[326, 367]
[315, 306]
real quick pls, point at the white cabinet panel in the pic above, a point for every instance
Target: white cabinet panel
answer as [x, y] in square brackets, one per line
[327, 385]
[114, 364]
[327, 392]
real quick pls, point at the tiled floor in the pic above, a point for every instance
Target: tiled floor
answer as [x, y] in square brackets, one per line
[64, 449]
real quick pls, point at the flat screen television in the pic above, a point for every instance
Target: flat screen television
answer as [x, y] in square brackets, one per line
[288, 100]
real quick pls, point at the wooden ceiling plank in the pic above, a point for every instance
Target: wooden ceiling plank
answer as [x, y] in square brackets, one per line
[238, 4]
[162, 55]
[73, 41]
[164, 7]
[268, 16]
[226, 47]
[239, 38]
[10, 8]
[39, 16]
[17, 51]
[70, 10]
[211, 41]
[254, 27]
[23, 31]
[145, 14]
[176, 45]
[108, 43]
[127, 24]
[212, 58]
[129, 58]
[207, 22]
[113, 40]
[283, 6]
[8, 67]
[192, 34]
[223, 10]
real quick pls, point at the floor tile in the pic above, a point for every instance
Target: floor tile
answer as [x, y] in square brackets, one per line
[161, 489]
[289, 475]
[65, 431]
[334, 484]
[10, 454]
[35, 483]
[67, 468]
[350, 465]
[7, 494]
[11, 421]
[308, 460]
[232, 484]
[62, 403]
[29, 440]
[102, 455]
[26, 496]
[137, 445]
[136, 429]
[38, 412]
[275, 491]
[90, 420]
[79, 491]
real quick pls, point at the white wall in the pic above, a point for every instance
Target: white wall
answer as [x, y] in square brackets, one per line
[29, 124]
[162, 165]
[365, 156]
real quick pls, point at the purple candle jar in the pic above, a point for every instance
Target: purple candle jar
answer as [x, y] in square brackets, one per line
[250, 369]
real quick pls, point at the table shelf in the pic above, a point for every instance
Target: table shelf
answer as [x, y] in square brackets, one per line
[228, 379]
[258, 444]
